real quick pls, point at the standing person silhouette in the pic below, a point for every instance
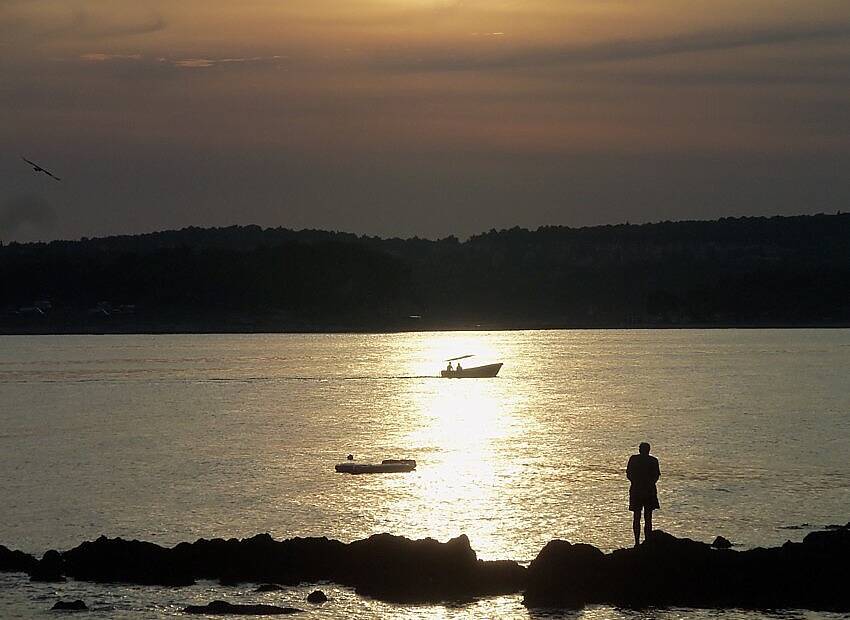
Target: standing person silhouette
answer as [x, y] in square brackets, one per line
[643, 472]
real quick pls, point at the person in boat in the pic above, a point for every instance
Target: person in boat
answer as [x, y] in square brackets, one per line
[459, 368]
[643, 472]
[449, 367]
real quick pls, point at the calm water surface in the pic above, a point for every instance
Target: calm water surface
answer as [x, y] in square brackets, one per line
[170, 438]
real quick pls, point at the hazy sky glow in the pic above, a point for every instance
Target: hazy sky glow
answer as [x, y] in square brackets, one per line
[418, 117]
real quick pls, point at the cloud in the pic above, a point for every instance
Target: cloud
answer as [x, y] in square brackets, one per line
[195, 63]
[142, 60]
[25, 210]
[51, 20]
[612, 51]
[102, 57]
[85, 24]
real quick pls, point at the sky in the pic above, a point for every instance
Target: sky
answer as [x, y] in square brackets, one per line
[418, 117]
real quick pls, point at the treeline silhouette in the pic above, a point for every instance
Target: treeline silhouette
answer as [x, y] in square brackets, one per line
[734, 271]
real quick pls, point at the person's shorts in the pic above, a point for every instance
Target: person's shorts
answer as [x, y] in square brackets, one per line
[643, 501]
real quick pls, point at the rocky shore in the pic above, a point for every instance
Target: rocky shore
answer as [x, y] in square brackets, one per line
[670, 571]
[663, 571]
[390, 568]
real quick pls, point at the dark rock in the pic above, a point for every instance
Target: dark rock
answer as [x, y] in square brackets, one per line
[261, 559]
[50, 568]
[224, 608]
[721, 543]
[126, 561]
[499, 577]
[77, 605]
[835, 539]
[397, 569]
[317, 597]
[268, 587]
[15, 561]
[391, 568]
[563, 575]
[663, 571]
[669, 571]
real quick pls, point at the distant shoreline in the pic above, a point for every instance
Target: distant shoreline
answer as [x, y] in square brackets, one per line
[732, 273]
[141, 330]
[177, 331]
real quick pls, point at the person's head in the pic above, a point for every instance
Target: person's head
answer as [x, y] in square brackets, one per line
[643, 448]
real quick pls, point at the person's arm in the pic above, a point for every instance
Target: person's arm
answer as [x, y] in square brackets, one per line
[630, 468]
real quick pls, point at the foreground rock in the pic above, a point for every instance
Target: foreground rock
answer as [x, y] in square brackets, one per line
[397, 569]
[77, 605]
[669, 571]
[223, 608]
[128, 561]
[664, 571]
[15, 561]
[386, 567]
[49, 568]
[317, 597]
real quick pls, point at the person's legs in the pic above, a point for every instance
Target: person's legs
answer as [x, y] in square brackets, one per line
[636, 525]
[647, 521]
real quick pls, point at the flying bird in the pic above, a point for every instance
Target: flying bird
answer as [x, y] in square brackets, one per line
[37, 168]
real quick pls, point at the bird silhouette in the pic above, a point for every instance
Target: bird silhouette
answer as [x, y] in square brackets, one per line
[37, 168]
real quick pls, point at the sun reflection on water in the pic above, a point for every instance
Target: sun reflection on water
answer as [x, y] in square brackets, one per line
[434, 350]
[461, 429]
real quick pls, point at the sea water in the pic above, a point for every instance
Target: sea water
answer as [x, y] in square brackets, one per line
[174, 437]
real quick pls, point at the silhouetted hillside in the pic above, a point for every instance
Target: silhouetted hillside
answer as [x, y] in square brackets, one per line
[735, 271]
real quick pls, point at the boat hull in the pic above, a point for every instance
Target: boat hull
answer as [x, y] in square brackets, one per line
[476, 372]
[388, 466]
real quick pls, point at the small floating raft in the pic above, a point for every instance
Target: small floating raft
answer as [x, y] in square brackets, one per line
[387, 466]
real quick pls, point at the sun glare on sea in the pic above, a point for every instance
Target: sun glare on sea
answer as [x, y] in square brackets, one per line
[463, 429]
[435, 350]
[468, 415]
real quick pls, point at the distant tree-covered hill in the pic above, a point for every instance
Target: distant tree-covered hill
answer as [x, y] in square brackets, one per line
[735, 271]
